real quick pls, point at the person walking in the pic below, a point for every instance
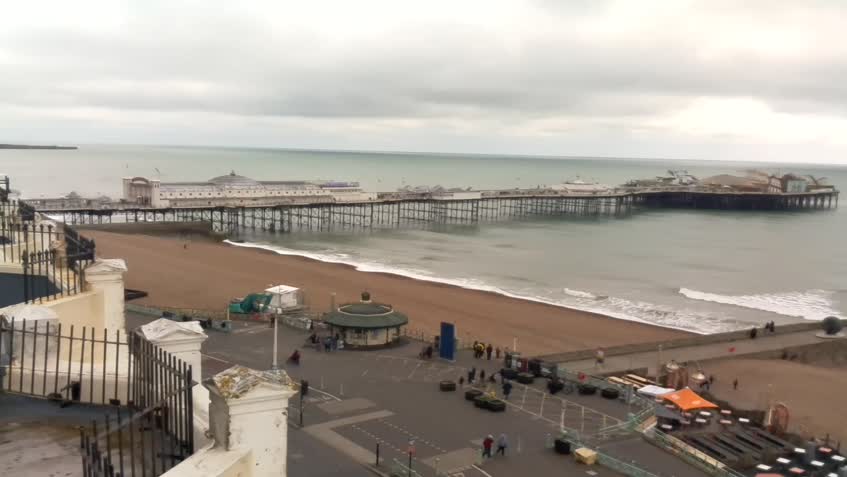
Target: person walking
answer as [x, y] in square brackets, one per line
[482, 376]
[461, 381]
[488, 351]
[486, 446]
[502, 443]
[475, 348]
[471, 375]
[735, 384]
[497, 353]
[507, 389]
[600, 357]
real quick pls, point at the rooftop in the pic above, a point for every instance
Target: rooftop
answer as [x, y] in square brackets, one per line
[366, 314]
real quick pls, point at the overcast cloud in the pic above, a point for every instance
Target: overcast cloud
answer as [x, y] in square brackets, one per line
[758, 80]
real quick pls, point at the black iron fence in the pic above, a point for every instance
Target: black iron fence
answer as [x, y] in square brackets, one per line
[148, 426]
[158, 431]
[53, 257]
[66, 363]
[5, 189]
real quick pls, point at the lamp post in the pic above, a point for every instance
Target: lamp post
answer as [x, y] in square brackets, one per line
[411, 453]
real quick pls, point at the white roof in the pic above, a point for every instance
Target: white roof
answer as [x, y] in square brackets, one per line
[281, 289]
[651, 390]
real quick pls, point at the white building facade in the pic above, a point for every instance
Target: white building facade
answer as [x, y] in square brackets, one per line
[236, 190]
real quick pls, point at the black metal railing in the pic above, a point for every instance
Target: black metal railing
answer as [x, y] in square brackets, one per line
[53, 257]
[16, 237]
[148, 424]
[157, 433]
[26, 211]
[5, 189]
[67, 363]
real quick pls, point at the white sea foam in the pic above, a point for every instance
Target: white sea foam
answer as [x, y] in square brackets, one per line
[810, 304]
[614, 307]
[579, 294]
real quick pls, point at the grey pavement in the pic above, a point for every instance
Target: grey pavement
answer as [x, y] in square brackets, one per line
[359, 399]
[651, 359]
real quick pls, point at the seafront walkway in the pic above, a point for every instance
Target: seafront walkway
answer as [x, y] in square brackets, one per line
[361, 399]
[765, 345]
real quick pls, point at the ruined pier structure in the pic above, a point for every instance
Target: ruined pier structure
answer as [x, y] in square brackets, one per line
[393, 210]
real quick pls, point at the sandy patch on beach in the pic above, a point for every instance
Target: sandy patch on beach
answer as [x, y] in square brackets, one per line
[814, 395]
[206, 275]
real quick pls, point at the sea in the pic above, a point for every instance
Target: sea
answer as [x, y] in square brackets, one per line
[695, 270]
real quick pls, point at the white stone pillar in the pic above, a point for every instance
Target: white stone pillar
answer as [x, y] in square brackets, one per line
[182, 340]
[249, 410]
[107, 275]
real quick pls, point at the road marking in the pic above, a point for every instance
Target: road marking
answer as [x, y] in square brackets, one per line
[364, 373]
[325, 394]
[215, 358]
[413, 371]
[481, 471]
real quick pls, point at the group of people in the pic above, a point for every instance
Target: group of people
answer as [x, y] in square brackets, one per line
[481, 349]
[328, 343]
[769, 326]
[488, 443]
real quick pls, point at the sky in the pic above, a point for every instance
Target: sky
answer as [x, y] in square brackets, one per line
[727, 80]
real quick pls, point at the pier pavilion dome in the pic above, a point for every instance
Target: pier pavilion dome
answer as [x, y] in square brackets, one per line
[366, 324]
[233, 179]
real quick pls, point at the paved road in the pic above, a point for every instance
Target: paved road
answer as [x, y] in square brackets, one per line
[359, 399]
[700, 353]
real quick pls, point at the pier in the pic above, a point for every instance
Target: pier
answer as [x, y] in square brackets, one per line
[390, 212]
[394, 210]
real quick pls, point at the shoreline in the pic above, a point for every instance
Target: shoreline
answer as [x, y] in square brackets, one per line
[205, 275]
[446, 282]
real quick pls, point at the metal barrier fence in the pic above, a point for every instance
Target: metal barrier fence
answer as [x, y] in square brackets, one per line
[689, 454]
[620, 466]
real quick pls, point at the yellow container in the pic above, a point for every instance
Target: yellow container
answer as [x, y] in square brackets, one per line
[585, 456]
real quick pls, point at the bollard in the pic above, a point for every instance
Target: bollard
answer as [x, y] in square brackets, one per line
[377, 454]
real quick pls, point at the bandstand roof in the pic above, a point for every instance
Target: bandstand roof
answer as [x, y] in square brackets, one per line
[366, 314]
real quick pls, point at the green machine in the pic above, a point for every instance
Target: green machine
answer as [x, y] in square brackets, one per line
[254, 302]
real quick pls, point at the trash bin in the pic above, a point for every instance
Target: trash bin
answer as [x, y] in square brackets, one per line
[534, 366]
[562, 446]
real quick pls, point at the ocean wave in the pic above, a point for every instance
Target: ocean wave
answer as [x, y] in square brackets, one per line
[613, 307]
[810, 304]
[580, 294]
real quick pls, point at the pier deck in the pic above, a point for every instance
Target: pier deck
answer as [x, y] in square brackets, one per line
[393, 210]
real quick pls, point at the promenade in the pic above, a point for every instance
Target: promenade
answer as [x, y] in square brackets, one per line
[359, 399]
[764, 343]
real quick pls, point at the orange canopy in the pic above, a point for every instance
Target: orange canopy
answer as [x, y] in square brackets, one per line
[688, 400]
